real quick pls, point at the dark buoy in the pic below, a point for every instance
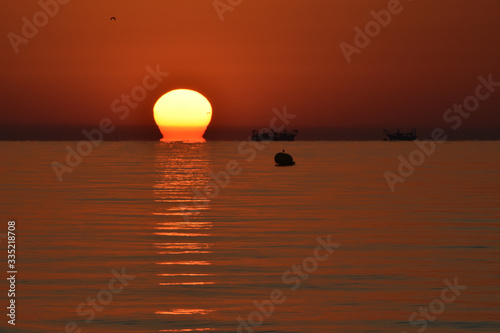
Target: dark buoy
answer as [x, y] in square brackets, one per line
[283, 159]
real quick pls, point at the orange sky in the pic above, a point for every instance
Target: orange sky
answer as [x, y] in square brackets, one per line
[265, 54]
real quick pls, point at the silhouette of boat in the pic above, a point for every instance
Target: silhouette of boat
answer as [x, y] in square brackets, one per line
[270, 135]
[400, 136]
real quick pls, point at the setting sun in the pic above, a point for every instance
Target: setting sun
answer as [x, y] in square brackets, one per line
[183, 115]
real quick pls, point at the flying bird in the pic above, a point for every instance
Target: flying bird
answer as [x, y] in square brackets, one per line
[113, 18]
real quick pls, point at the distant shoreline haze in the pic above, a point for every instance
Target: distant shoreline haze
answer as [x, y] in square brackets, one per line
[152, 133]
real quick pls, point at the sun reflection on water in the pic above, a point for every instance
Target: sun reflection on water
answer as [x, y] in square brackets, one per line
[189, 330]
[184, 258]
[184, 312]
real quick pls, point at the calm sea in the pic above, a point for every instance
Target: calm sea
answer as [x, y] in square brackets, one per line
[139, 237]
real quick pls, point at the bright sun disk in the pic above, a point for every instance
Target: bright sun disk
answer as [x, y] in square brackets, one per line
[182, 115]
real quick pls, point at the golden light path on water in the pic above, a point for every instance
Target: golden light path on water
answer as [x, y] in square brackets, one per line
[185, 244]
[190, 330]
[184, 283]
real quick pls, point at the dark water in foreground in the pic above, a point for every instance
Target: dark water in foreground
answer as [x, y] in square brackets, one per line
[198, 264]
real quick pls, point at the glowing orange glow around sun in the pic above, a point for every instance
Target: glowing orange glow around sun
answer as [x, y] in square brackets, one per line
[182, 115]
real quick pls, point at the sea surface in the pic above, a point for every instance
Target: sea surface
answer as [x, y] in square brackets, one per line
[139, 237]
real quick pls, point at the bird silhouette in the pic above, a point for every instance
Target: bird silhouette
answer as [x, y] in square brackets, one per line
[112, 18]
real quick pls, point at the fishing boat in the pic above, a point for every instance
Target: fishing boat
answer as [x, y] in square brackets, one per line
[271, 135]
[400, 136]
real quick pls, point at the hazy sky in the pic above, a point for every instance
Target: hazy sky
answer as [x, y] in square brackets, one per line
[264, 54]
